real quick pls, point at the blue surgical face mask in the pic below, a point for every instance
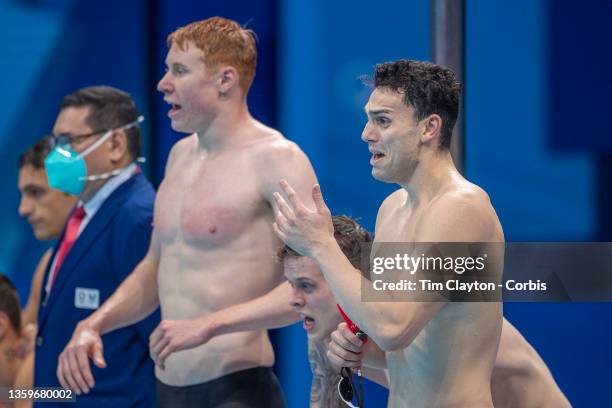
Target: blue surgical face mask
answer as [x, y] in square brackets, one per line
[67, 170]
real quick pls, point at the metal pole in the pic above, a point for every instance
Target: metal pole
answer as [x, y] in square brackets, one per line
[448, 50]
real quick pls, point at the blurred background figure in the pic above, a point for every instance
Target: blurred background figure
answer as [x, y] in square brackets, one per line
[15, 345]
[46, 210]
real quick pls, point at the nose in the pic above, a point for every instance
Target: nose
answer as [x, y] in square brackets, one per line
[368, 134]
[296, 301]
[164, 86]
[25, 207]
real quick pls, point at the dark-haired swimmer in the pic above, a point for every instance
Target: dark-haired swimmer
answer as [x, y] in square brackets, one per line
[438, 353]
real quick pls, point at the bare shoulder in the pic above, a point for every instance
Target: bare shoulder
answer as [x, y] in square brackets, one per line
[462, 213]
[393, 200]
[464, 196]
[275, 151]
[275, 158]
[180, 148]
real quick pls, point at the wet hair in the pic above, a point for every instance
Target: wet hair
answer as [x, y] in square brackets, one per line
[427, 88]
[9, 302]
[110, 108]
[222, 41]
[35, 155]
[350, 237]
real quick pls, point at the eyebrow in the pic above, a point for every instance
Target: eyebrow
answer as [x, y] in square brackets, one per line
[377, 112]
[30, 186]
[301, 279]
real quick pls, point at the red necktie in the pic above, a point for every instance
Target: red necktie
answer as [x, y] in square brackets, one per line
[72, 230]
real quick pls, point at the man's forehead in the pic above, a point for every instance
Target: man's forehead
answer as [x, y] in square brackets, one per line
[385, 100]
[187, 53]
[300, 267]
[72, 119]
[31, 176]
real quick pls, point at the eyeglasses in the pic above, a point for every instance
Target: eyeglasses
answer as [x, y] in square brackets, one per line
[346, 388]
[65, 139]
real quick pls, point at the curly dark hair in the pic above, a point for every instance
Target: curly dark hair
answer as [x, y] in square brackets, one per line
[427, 88]
[350, 237]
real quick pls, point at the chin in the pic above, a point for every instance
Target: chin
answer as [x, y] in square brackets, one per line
[315, 335]
[380, 176]
[41, 235]
[178, 128]
[45, 236]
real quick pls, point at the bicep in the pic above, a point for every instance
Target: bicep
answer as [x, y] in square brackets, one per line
[404, 321]
[290, 164]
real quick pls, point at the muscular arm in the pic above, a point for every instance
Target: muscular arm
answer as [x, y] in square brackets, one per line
[269, 311]
[392, 325]
[134, 299]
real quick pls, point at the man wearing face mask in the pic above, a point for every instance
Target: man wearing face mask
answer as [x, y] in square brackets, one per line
[96, 141]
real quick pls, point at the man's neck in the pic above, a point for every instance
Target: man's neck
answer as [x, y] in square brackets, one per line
[91, 189]
[93, 186]
[229, 129]
[435, 173]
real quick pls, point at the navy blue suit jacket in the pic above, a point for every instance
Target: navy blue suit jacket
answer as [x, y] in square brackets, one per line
[107, 250]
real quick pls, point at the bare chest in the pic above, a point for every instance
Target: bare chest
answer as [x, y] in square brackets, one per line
[399, 225]
[207, 204]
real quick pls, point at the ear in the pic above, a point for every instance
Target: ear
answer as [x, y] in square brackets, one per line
[432, 128]
[227, 79]
[118, 146]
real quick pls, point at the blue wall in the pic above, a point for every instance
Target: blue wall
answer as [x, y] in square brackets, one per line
[537, 123]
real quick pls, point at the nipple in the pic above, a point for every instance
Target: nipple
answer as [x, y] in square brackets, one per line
[212, 229]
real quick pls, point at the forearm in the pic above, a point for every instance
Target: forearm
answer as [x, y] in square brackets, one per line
[269, 311]
[382, 321]
[374, 357]
[374, 366]
[134, 299]
[323, 389]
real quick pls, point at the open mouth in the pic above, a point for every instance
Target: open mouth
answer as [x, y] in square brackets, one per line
[175, 108]
[308, 322]
[376, 157]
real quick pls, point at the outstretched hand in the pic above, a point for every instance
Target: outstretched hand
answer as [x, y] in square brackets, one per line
[303, 229]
